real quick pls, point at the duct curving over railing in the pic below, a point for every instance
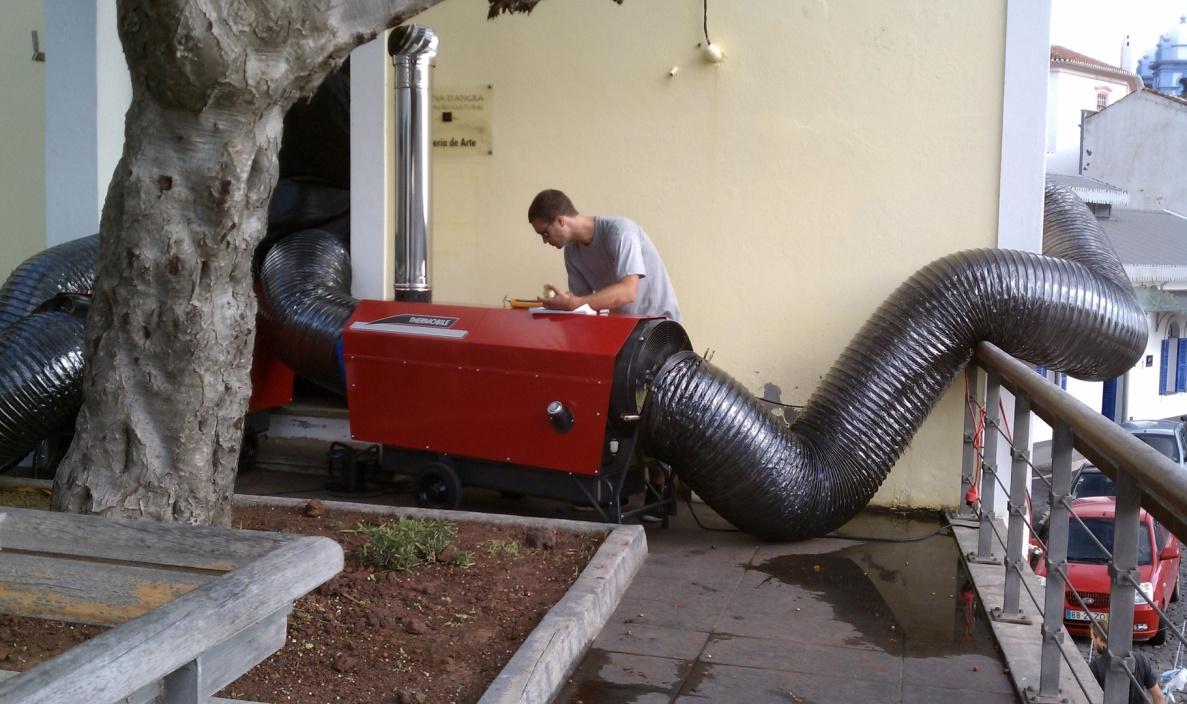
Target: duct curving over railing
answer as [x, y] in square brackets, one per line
[1071, 309]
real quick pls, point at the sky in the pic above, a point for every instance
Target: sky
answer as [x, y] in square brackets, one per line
[1098, 27]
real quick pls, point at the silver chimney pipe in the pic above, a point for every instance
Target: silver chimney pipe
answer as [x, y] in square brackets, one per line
[412, 48]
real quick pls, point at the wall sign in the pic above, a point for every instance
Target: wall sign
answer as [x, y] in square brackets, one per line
[461, 120]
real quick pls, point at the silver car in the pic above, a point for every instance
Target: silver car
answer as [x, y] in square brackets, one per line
[1167, 436]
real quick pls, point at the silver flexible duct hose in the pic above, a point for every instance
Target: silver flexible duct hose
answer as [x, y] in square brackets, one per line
[1070, 309]
[40, 379]
[305, 282]
[66, 268]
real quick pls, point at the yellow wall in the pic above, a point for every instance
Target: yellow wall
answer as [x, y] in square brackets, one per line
[838, 148]
[22, 136]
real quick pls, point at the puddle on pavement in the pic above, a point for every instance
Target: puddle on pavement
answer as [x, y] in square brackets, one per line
[893, 594]
[618, 678]
[913, 599]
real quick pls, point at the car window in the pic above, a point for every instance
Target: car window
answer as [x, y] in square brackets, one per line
[1165, 444]
[1093, 484]
[1081, 548]
[1160, 534]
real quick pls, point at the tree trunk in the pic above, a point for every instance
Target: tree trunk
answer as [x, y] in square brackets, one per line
[169, 336]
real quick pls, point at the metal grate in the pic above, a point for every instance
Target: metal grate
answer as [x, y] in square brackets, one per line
[1098, 601]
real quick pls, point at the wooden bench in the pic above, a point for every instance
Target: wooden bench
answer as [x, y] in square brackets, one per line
[192, 607]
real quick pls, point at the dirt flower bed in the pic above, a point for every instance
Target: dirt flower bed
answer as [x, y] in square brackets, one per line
[437, 632]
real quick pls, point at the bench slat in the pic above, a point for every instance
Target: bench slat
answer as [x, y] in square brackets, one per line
[168, 544]
[87, 592]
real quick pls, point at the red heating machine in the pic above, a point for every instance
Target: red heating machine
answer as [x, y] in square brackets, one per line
[505, 399]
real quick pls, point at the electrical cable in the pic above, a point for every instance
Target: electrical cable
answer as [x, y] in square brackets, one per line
[777, 403]
[691, 512]
[706, 18]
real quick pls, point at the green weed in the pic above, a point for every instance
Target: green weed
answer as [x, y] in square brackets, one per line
[511, 548]
[404, 544]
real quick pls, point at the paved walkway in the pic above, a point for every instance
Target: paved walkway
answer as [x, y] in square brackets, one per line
[721, 617]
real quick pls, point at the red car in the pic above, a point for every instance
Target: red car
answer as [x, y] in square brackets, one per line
[1088, 569]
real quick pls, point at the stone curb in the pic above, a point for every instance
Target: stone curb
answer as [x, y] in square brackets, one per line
[537, 671]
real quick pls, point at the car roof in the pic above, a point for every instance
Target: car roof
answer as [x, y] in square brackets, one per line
[1152, 426]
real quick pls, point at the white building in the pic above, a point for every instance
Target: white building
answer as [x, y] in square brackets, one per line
[1153, 246]
[1133, 144]
[1078, 85]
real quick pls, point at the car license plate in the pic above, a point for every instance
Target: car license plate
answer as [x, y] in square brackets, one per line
[1076, 615]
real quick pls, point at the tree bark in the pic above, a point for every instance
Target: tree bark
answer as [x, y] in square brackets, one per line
[169, 336]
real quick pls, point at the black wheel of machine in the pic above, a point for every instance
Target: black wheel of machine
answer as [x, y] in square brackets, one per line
[1175, 592]
[438, 486]
[249, 451]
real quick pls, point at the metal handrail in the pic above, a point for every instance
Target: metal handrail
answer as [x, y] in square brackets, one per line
[1101, 441]
[1143, 478]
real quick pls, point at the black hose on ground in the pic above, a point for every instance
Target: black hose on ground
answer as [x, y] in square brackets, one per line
[1071, 309]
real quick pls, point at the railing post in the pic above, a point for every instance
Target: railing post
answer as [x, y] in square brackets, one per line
[989, 471]
[1057, 530]
[1123, 569]
[968, 459]
[1011, 610]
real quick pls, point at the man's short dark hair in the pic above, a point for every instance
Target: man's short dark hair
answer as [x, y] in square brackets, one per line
[548, 204]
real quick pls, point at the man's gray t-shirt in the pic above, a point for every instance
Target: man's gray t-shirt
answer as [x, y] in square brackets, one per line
[621, 248]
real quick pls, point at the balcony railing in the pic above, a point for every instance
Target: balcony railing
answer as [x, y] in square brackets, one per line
[1143, 478]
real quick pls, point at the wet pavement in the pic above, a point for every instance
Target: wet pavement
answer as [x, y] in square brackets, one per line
[721, 617]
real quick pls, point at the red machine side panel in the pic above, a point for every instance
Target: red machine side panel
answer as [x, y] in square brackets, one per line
[271, 379]
[475, 382]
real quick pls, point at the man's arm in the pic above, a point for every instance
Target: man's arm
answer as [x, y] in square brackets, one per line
[1144, 670]
[617, 294]
[1156, 695]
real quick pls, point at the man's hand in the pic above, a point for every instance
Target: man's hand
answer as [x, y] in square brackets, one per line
[560, 300]
[617, 294]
